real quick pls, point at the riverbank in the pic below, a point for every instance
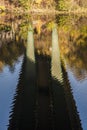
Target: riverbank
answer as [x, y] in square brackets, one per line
[81, 11]
[53, 11]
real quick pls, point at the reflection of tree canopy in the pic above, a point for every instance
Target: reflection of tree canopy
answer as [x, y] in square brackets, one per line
[5, 28]
[10, 52]
[73, 44]
[43, 45]
[15, 22]
[72, 38]
[13, 33]
[42, 34]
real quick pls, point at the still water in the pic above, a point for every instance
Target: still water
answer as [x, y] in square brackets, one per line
[43, 72]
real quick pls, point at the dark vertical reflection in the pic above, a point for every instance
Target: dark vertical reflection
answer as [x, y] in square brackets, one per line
[65, 112]
[61, 118]
[44, 96]
[23, 112]
[71, 105]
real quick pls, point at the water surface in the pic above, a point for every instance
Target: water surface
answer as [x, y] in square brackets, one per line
[43, 72]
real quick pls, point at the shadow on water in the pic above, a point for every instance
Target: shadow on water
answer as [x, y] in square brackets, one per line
[42, 100]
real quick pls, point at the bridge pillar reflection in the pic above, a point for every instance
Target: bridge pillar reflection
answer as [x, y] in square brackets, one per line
[64, 107]
[24, 104]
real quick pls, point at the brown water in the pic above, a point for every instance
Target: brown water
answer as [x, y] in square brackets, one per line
[43, 72]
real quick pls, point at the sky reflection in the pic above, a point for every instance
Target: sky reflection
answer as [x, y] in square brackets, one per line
[79, 91]
[7, 91]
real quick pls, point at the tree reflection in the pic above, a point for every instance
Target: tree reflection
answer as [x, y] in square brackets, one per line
[12, 44]
[73, 46]
[10, 52]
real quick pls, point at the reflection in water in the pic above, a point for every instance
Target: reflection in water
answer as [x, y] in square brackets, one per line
[44, 99]
[60, 113]
[64, 105]
[10, 50]
[56, 65]
[71, 104]
[45, 121]
[79, 91]
[30, 44]
[23, 113]
[8, 82]
[74, 51]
